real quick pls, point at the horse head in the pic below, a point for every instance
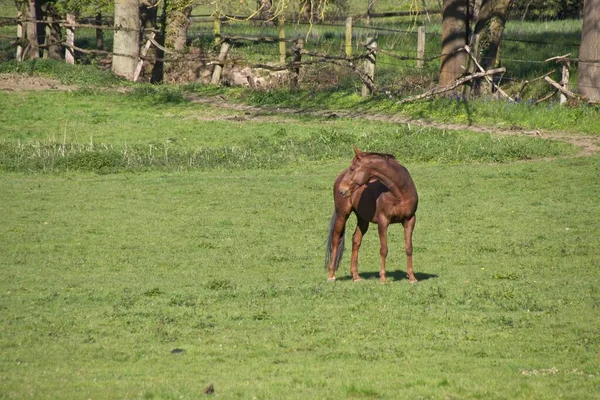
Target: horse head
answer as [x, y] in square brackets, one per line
[358, 174]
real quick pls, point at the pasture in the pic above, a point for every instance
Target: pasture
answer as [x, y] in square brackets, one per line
[155, 276]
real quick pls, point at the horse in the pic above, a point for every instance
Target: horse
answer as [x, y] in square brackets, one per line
[377, 189]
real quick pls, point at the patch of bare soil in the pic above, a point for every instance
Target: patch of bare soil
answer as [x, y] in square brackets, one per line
[22, 83]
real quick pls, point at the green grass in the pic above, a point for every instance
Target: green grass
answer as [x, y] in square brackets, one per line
[156, 128]
[153, 280]
[103, 276]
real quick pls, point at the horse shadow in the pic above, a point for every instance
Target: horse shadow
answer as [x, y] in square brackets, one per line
[391, 275]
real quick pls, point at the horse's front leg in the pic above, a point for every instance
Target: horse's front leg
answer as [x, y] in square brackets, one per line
[361, 229]
[383, 248]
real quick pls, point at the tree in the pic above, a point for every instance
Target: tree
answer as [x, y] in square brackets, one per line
[455, 17]
[589, 52]
[28, 11]
[51, 32]
[126, 39]
[177, 20]
[490, 29]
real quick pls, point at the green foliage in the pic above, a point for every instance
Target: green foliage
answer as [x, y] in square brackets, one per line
[547, 9]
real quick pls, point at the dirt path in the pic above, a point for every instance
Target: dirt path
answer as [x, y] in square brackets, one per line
[587, 144]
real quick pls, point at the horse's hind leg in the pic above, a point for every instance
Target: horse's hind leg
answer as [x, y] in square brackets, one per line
[361, 229]
[336, 239]
[383, 248]
[409, 226]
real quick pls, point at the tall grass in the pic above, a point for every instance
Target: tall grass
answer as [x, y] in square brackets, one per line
[409, 145]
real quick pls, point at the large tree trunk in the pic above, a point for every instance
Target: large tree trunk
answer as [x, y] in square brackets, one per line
[455, 16]
[126, 46]
[490, 29]
[52, 36]
[32, 49]
[178, 21]
[589, 52]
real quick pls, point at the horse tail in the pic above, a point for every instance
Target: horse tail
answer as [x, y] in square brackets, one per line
[340, 250]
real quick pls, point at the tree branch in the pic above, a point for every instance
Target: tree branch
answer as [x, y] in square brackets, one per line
[454, 85]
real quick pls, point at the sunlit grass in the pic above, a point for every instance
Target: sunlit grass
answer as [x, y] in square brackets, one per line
[105, 276]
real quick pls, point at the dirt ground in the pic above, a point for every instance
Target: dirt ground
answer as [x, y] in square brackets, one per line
[21, 83]
[588, 145]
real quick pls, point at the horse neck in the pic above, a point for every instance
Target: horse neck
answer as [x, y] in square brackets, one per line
[389, 172]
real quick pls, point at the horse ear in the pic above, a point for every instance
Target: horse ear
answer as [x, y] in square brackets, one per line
[357, 152]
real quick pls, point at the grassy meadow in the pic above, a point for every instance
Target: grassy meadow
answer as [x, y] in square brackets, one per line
[151, 247]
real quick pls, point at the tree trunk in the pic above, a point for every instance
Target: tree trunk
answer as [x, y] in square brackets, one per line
[490, 29]
[99, 32]
[32, 50]
[178, 21]
[52, 39]
[454, 36]
[126, 39]
[589, 52]
[149, 18]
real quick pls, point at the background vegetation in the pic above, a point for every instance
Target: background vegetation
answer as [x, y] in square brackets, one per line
[528, 42]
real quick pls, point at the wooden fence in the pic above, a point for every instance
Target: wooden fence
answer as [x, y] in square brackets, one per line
[294, 50]
[363, 64]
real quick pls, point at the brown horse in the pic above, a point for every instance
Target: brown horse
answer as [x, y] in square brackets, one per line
[379, 190]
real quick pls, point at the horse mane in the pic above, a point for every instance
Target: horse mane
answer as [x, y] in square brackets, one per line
[385, 156]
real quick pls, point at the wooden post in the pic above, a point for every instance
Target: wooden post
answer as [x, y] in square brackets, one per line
[138, 68]
[47, 36]
[296, 63]
[281, 23]
[69, 53]
[369, 79]
[420, 46]
[217, 28]
[216, 76]
[19, 56]
[563, 61]
[349, 37]
[564, 82]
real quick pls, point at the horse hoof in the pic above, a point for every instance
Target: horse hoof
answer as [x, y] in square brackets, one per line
[357, 280]
[331, 279]
[413, 281]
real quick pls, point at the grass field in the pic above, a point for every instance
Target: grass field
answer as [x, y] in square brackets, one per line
[154, 280]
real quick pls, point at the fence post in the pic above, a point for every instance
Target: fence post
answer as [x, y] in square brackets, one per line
[281, 23]
[349, 37]
[369, 78]
[564, 82]
[19, 56]
[216, 76]
[296, 63]
[69, 53]
[138, 68]
[420, 46]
